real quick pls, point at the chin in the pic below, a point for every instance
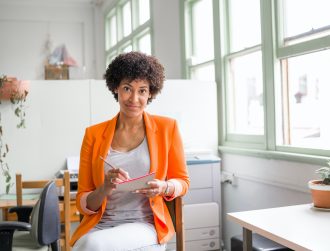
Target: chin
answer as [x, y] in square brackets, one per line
[133, 114]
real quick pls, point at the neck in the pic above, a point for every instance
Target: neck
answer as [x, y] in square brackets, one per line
[129, 123]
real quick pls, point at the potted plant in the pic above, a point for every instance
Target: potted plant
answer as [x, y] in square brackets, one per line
[14, 91]
[321, 188]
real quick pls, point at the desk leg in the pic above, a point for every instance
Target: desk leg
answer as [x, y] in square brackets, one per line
[247, 239]
[5, 214]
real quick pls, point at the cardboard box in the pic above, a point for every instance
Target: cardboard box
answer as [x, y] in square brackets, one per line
[56, 72]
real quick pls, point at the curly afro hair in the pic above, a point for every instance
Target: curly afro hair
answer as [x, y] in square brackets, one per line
[132, 66]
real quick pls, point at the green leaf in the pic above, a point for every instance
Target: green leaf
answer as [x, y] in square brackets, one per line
[7, 188]
[17, 111]
[326, 181]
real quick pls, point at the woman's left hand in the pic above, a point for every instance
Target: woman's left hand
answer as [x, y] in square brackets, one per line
[156, 187]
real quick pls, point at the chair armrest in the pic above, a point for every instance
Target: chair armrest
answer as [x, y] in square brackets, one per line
[7, 229]
[14, 225]
[23, 212]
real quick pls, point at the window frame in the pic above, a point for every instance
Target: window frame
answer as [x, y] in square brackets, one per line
[190, 62]
[298, 49]
[234, 139]
[138, 30]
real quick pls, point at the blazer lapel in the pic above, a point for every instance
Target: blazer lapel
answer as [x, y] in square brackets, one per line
[151, 131]
[107, 137]
[105, 146]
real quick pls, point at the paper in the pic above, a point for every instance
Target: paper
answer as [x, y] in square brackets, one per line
[136, 183]
[72, 164]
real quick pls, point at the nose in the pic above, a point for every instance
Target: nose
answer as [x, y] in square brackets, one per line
[134, 96]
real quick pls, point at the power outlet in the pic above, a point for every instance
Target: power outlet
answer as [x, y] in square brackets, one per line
[228, 177]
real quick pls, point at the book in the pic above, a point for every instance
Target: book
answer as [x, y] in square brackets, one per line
[135, 183]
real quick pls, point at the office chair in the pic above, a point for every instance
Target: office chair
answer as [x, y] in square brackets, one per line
[175, 207]
[41, 232]
[64, 206]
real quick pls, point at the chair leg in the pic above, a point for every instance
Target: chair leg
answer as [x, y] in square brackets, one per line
[55, 246]
[6, 240]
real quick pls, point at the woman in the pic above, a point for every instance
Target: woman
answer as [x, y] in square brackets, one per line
[135, 143]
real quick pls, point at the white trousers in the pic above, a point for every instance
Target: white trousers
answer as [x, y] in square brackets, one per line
[136, 236]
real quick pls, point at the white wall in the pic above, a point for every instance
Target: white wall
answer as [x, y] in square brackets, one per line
[59, 111]
[25, 26]
[262, 183]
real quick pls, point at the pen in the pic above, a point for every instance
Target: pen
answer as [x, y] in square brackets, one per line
[106, 162]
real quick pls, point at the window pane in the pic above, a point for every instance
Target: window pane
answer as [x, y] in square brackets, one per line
[305, 101]
[109, 59]
[245, 28]
[202, 30]
[127, 48]
[144, 11]
[300, 16]
[127, 19]
[113, 31]
[245, 95]
[144, 44]
[205, 72]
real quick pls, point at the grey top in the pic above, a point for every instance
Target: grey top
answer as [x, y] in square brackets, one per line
[126, 207]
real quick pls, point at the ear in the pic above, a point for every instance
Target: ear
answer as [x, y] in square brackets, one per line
[116, 91]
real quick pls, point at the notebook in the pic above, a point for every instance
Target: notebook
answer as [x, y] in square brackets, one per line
[135, 183]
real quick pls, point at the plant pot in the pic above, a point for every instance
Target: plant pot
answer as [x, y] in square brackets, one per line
[320, 193]
[14, 88]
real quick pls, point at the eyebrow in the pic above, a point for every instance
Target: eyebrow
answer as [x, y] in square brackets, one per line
[141, 87]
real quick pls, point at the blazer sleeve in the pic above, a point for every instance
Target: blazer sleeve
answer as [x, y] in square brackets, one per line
[85, 178]
[177, 169]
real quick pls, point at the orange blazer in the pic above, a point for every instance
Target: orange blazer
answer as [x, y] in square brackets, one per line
[166, 159]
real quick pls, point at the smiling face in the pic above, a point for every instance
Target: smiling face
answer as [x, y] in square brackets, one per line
[133, 97]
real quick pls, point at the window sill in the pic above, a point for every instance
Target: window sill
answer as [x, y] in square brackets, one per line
[288, 156]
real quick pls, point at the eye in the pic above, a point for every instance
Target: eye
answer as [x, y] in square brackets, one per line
[126, 88]
[143, 91]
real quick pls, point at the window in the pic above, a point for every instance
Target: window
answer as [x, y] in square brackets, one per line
[297, 27]
[199, 39]
[245, 95]
[303, 56]
[270, 60]
[243, 60]
[128, 28]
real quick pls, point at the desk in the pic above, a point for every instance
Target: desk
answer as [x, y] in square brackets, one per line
[9, 200]
[298, 227]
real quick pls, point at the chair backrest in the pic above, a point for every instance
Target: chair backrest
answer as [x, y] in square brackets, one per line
[175, 207]
[64, 207]
[45, 217]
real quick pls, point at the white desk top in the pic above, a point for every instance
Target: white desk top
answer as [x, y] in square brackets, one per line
[299, 227]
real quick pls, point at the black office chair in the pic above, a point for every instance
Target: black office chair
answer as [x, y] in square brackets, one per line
[41, 232]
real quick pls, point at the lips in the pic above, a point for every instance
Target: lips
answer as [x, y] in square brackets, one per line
[132, 107]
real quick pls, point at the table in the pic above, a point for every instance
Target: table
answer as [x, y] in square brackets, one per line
[299, 227]
[9, 200]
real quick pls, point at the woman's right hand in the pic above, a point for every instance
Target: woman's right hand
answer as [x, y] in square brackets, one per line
[113, 177]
